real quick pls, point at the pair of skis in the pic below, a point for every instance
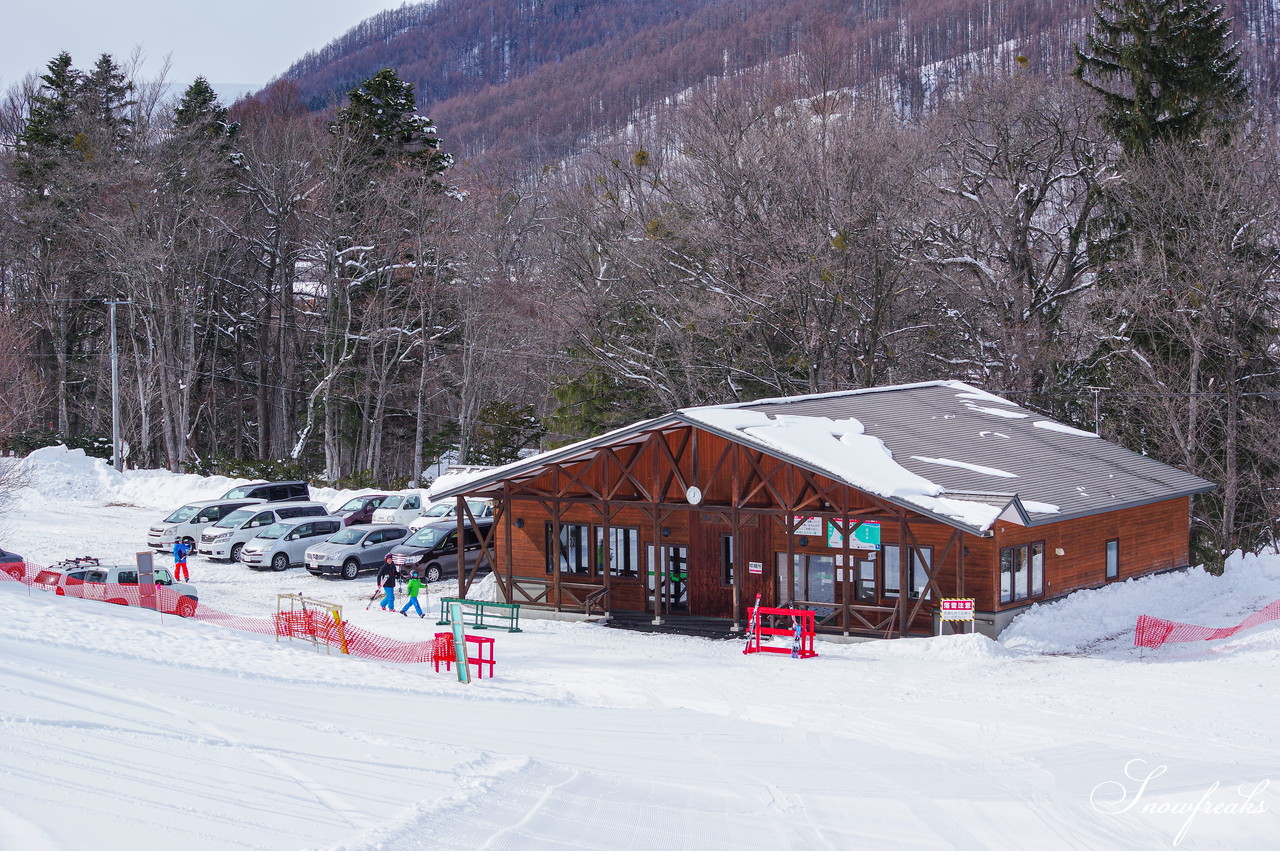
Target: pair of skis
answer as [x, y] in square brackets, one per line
[753, 621]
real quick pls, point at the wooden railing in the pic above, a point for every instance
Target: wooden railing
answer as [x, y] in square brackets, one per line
[574, 596]
[859, 618]
[597, 602]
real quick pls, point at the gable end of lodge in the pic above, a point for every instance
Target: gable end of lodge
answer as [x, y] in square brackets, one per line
[866, 506]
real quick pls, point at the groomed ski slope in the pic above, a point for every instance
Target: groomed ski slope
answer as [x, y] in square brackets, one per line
[122, 729]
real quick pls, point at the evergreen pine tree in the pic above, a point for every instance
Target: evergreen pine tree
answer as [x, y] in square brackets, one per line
[200, 114]
[50, 128]
[382, 119]
[1166, 69]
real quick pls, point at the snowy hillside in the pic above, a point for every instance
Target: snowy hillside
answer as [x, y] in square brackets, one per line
[124, 729]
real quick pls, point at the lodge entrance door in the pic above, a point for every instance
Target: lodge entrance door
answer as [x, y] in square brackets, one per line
[668, 566]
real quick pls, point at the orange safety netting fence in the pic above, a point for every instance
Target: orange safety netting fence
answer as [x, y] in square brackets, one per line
[313, 625]
[1154, 632]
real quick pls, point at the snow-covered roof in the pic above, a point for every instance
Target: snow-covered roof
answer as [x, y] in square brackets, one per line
[944, 448]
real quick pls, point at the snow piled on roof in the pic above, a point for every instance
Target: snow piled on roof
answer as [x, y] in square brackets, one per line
[850, 454]
[964, 465]
[1050, 425]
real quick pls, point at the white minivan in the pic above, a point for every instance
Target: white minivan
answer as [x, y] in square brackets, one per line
[400, 508]
[190, 520]
[284, 544]
[224, 539]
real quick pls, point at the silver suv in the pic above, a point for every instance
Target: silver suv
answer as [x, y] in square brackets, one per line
[283, 545]
[356, 548]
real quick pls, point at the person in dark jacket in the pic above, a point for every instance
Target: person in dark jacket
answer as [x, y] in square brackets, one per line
[387, 576]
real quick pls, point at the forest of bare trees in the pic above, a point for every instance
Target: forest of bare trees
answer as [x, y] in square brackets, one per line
[322, 295]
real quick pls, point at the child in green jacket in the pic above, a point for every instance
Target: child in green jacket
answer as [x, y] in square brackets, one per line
[412, 589]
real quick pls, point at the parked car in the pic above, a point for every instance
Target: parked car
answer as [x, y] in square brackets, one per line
[284, 544]
[224, 539]
[13, 564]
[117, 584]
[190, 520]
[271, 491]
[433, 549]
[356, 548]
[399, 508]
[359, 509]
[447, 508]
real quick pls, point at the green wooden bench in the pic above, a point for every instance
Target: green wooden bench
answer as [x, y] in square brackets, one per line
[483, 614]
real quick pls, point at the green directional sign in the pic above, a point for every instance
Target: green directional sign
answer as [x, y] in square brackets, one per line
[866, 533]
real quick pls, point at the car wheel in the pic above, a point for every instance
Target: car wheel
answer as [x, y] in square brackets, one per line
[189, 541]
[186, 607]
[431, 574]
[279, 561]
[350, 568]
[235, 551]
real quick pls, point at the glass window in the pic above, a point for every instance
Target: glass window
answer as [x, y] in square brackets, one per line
[275, 530]
[624, 550]
[183, 514]
[1021, 572]
[1113, 558]
[234, 519]
[427, 537]
[726, 559]
[890, 570]
[348, 536]
[127, 577]
[1037, 569]
[865, 579]
[575, 547]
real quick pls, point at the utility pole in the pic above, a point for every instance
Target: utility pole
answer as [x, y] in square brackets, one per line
[1097, 407]
[116, 460]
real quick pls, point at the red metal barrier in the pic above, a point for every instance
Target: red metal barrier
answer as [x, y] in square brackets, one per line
[808, 630]
[442, 653]
[1153, 632]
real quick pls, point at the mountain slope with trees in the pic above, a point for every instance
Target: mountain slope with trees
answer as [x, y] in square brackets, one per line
[341, 295]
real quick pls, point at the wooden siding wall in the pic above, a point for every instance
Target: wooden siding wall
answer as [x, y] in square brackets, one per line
[1152, 537]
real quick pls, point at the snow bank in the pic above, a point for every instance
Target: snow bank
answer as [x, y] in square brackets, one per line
[57, 474]
[1103, 619]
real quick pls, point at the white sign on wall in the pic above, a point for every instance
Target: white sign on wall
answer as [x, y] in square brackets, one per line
[755, 567]
[811, 526]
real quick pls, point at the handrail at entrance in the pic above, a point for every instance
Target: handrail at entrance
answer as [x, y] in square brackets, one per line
[854, 617]
[597, 602]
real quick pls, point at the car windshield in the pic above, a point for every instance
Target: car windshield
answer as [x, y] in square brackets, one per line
[352, 505]
[183, 514]
[275, 530]
[239, 493]
[348, 536]
[427, 537]
[440, 509]
[392, 502]
[234, 519]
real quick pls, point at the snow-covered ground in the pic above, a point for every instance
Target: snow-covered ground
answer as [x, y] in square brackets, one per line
[124, 729]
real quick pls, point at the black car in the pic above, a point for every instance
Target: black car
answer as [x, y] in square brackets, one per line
[433, 549]
[271, 491]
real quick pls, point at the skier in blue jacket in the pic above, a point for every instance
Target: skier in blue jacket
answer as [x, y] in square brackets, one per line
[387, 576]
[180, 550]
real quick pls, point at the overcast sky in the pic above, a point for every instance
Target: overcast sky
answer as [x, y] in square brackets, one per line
[229, 42]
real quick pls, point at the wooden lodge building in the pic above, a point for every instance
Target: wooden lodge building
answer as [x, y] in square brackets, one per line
[868, 506]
